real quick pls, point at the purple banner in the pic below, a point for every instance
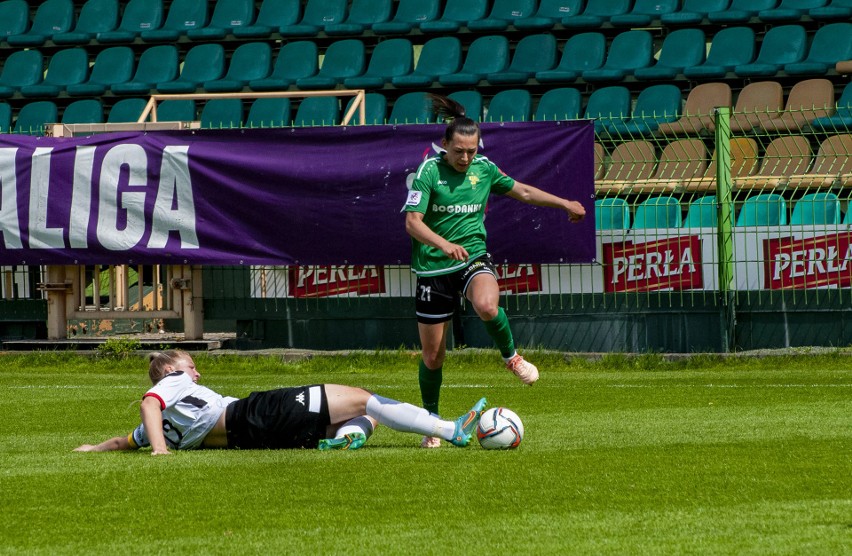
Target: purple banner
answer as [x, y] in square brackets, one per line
[284, 196]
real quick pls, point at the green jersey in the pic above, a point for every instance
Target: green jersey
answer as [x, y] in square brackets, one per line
[453, 205]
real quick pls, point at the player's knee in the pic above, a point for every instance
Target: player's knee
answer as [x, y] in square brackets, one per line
[487, 311]
[433, 360]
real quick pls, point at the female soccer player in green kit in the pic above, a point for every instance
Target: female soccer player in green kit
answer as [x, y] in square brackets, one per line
[445, 213]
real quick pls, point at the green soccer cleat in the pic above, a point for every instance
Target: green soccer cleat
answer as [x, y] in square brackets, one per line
[351, 441]
[466, 423]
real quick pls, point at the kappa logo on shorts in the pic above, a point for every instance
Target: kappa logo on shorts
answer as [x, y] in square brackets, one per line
[301, 398]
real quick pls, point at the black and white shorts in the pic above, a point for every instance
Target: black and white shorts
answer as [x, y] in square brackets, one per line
[278, 419]
[438, 297]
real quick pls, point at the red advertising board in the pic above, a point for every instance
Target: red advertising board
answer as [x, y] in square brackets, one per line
[519, 278]
[809, 262]
[672, 263]
[327, 280]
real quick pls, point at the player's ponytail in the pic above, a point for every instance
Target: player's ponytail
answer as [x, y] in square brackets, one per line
[453, 113]
[159, 360]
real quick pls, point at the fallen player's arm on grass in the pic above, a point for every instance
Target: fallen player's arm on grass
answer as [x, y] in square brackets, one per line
[152, 418]
[111, 445]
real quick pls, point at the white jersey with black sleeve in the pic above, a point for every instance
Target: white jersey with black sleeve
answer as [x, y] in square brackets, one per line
[190, 411]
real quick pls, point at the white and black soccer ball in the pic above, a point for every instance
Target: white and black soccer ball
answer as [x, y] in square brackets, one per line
[500, 429]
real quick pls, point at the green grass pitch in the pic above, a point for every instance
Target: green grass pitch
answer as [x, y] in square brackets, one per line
[621, 456]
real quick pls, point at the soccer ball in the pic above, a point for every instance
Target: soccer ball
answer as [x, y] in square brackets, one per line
[500, 429]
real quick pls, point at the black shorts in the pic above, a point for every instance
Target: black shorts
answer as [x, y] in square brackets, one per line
[438, 297]
[278, 419]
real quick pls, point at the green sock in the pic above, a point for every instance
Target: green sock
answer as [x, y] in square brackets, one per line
[498, 329]
[430, 387]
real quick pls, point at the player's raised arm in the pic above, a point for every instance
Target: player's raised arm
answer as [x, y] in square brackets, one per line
[535, 196]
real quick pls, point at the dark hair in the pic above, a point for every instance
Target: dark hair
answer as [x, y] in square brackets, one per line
[453, 113]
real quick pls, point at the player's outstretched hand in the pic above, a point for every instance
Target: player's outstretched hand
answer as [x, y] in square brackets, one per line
[85, 448]
[164, 452]
[575, 210]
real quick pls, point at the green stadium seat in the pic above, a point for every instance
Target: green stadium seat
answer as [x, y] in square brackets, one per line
[693, 12]
[657, 212]
[375, 109]
[126, 110]
[84, 111]
[203, 62]
[597, 13]
[831, 43]
[269, 112]
[296, 59]
[628, 52]
[702, 213]
[5, 117]
[533, 53]
[250, 61]
[503, 14]
[22, 68]
[66, 67]
[644, 12]
[14, 18]
[52, 17]
[408, 16]
[183, 16]
[317, 15]
[763, 209]
[176, 111]
[559, 104]
[138, 16]
[362, 14]
[835, 10]
[581, 52]
[390, 58]
[227, 16]
[485, 55]
[412, 108]
[96, 16]
[608, 105]
[112, 65]
[222, 113]
[33, 117]
[730, 47]
[456, 14]
[157, 64]
[472, 102]
[782, 45]
[841, 119]
[344, 58]
[318, 111]
[549, 14]
[741, 11]
[272, 15]
[439, 56]
[612, 213]
[510, 105]
[681, 49]
[816, 209]
[789, 10]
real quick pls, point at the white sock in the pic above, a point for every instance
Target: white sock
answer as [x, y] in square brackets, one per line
[359, 424]
[405, 417]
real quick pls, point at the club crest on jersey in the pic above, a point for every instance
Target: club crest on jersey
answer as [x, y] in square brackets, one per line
[473, 180]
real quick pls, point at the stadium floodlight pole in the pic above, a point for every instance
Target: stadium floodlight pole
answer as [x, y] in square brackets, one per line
[724, 229]
[150, 109]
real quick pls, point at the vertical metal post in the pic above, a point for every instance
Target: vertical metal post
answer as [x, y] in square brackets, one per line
[193, 304]
[57, 323]
[724, 236]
